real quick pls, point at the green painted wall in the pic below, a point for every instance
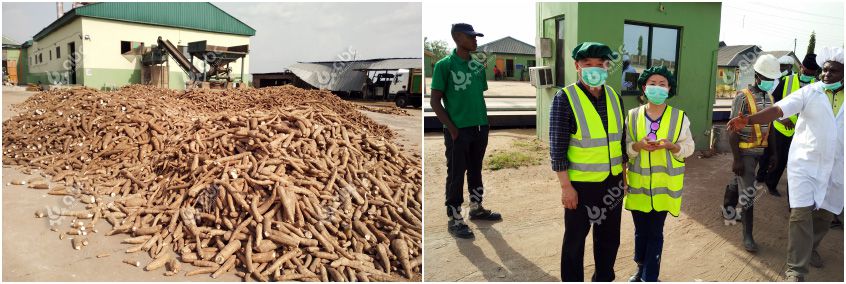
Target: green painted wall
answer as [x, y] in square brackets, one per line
[518, 59]
[428, 65]
[604, 22]
[11, 54]
[23, 67]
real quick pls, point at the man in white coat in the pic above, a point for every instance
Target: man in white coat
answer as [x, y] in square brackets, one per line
[815, 161]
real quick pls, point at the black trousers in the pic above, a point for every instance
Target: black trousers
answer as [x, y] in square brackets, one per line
[600, 206]
[771, 178]
[464, 155]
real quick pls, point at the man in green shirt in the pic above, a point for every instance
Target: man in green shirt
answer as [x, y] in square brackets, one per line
[459, 81]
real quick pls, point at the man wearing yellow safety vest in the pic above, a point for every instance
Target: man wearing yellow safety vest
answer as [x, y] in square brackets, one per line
[779, 143]
[658, 140]
[586, 131]
[748, 145]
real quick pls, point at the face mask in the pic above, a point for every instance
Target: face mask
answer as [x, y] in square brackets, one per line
[805, 78]
[656, 94]
[833, 86]
[766, 85]
[594, 76]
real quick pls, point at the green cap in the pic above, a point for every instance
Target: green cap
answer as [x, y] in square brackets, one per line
[658, 70]
[591, 49]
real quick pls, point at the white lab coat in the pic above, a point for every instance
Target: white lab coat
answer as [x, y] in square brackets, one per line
[815, 161]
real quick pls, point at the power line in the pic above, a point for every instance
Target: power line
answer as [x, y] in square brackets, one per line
[748, 11]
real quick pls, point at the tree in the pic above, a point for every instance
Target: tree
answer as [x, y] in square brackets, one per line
[438, 47]
[812, 42]
[639, 45]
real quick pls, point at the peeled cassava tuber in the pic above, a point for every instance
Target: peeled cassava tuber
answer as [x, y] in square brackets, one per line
[275, 183]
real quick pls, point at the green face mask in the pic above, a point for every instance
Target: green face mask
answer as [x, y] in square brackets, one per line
[766, 85]
[833, 86]
[594, 76]
[805, 78]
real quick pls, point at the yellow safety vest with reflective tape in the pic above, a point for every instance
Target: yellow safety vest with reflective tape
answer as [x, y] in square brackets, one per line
[594, 152]
[655, 178]
[793, 85]
[757, 140]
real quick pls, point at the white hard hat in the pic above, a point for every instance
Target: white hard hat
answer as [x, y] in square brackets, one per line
[785, 60]
[768, 66]
[829, 54]
[625, 57]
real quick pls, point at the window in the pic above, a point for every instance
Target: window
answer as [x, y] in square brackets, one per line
[531, 63]
[559, 52]
[50, 55]
[646, 46]
[130, 47]
[58, 53]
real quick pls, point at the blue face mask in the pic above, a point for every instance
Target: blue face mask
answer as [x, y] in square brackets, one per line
[832, 86]
[805, 78]
[766, 85]
[594, 76]
[656, 94]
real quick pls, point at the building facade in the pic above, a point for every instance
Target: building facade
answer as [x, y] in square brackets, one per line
[682, 36]
[100, 45]
[511, 56]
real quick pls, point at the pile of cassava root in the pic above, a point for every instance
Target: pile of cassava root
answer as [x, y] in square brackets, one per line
[269, 184]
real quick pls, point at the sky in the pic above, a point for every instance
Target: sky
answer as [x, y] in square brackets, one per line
[773, 25]
[285, 32]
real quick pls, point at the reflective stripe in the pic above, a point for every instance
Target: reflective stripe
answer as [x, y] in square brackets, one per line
[655, 169]
[656, 191]
[635, 113]
[600, 167]
[789, 89]
[615, 106]
[595, 142]
[579, 111]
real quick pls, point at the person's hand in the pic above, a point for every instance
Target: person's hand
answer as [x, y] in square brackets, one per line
[737, 123]
[569, 197]
[787, 123]
[667, 144]
[737, 167]
[644, 145]
[453, 132]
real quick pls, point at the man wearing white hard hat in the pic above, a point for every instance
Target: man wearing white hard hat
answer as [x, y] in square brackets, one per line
[786, 65]
[815, 161]
[748, 145]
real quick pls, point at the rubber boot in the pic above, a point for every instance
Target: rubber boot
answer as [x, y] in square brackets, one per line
[748, 242]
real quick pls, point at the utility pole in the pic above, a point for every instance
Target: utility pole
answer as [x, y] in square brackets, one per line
[794, 45]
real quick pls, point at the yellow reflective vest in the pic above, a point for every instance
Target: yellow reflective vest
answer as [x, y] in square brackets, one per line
[594, 153]
[757, 138]
[655, 178]
[792, 85]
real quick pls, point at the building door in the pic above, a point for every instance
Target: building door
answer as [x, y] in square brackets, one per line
[73, 58]
[500, 64]
[509, 68]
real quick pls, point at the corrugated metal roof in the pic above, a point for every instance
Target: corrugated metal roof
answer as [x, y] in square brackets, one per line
[188, 15]
[10, 42]
[508, 45]
[732, 55]
[780, 53]
[346, 75]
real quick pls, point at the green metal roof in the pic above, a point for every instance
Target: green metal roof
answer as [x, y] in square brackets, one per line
[188, 15]
[10, 42]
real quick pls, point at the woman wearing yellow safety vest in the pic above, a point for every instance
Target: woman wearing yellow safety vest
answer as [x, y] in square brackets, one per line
[657, 141]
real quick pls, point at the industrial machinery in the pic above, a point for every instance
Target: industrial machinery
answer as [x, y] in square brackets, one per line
[215, 62]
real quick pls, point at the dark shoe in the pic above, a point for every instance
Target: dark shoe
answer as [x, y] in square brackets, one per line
[477, 212]
[636, 276]
[458, 229]
[773, 191]
[794, 278]
[816, 260]
[748, 242]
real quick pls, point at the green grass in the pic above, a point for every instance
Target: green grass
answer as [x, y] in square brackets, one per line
[522, 153]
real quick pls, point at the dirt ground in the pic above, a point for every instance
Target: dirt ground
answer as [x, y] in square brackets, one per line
[31, 252]
[526, 245]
